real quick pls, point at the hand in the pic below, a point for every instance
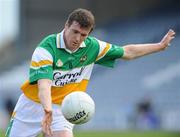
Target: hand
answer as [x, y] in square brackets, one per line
[165, 42]
[46, 123]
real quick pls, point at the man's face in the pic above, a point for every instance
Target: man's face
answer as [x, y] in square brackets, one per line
[74, 35]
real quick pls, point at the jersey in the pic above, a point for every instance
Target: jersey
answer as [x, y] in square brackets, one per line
[69, 71]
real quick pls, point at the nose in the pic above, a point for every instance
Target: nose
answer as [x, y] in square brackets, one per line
[78, 38]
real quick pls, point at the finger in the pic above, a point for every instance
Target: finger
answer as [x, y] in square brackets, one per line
[43, 124]
[172, 37]
[46, 123]
[171, 32]
[45, 127]
[48, 130]
[45, 130]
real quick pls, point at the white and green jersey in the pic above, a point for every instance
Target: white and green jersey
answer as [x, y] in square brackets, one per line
[69, 71]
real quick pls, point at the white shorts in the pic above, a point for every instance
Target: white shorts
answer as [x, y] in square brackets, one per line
[27, 118]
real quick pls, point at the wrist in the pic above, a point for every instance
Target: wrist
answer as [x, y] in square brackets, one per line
[162, 46]
[48, 111]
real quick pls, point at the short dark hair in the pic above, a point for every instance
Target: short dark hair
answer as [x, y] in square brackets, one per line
[84, 17]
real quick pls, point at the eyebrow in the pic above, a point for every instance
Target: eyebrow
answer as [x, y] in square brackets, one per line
[80, 32]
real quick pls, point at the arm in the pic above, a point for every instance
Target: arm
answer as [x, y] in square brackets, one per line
[133, 51]
[44, 87]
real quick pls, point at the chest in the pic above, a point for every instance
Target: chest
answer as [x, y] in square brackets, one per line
[64, 60]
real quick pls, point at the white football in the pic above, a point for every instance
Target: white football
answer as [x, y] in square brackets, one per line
[78, 107]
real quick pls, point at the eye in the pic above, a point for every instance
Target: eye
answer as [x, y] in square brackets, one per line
[75, 31]
[83, 35]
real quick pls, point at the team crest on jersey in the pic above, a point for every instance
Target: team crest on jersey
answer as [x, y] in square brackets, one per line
[83, 58]
[59, 63]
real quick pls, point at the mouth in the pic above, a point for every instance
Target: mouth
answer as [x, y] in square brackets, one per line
[75, 44]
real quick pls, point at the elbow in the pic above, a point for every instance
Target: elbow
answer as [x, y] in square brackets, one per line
[128, 58]
[40, 95]
[43, 90]
[44, 87]
[129, 53]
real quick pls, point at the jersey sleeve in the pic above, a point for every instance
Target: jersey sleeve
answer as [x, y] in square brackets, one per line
[108, 53]
[41, 66]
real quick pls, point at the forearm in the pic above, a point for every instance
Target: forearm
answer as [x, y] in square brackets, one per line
[137, 50]
[44, 87]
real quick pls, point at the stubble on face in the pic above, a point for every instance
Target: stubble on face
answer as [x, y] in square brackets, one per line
[74, 35]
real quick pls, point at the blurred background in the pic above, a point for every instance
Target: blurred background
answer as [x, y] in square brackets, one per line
[141, 95]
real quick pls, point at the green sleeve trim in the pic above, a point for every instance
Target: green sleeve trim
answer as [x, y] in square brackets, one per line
[41, 73]
[109, 59]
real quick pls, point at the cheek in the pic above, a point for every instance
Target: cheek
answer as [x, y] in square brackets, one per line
[71, 38]
[83, 38]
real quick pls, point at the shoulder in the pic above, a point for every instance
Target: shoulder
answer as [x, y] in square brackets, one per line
[50, 39]
[49, 42]
[46, 46]
[92, 41]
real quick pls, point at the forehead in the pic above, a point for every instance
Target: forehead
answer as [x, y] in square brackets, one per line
[76, 26]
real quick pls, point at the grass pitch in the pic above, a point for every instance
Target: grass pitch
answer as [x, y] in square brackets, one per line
[127, 134]
[121, 134]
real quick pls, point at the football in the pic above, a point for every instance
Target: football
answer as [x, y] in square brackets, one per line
[78, 107]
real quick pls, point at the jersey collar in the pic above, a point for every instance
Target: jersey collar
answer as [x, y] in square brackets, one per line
[61, 44]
